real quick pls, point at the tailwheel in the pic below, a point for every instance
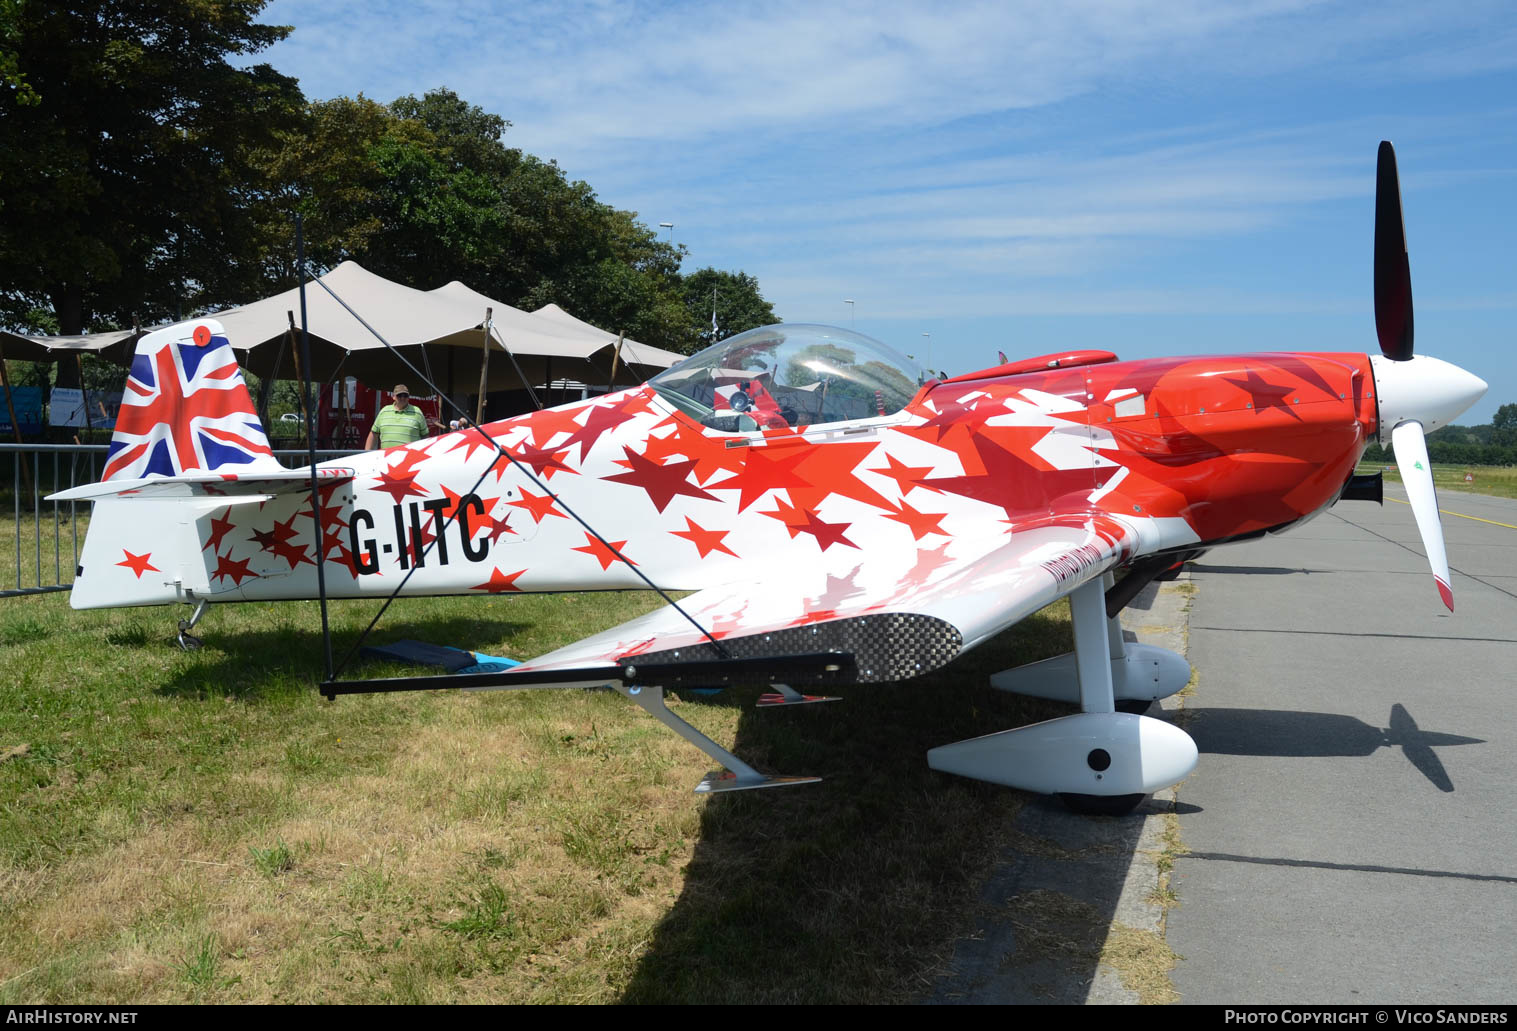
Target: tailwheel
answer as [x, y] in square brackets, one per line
[186, 640]
[1101, 805]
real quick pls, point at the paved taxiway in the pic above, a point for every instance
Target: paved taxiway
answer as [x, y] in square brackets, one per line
[1352, 824]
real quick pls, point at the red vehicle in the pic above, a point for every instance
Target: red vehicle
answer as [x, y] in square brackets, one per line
[346, 409]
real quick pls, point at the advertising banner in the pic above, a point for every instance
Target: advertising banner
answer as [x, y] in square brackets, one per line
[28, 404]
[65, 407]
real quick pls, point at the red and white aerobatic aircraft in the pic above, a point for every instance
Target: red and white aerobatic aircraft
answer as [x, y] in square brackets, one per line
[839, 519]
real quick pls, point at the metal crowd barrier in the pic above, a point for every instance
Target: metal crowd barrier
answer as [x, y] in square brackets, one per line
[42, 528]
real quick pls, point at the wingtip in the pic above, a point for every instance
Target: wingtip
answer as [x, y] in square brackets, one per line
[1444, 593]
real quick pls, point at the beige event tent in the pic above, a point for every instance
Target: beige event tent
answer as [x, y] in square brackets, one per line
[638, 354]
[440, 330]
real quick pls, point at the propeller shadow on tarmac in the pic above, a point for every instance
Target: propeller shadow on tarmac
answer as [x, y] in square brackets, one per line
[1268, 732]
[1256, 570]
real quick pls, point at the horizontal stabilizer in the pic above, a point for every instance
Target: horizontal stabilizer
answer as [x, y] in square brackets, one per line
[214, 485]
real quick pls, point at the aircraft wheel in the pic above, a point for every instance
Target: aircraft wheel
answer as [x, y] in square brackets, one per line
[1101, 805]
[1136, 706]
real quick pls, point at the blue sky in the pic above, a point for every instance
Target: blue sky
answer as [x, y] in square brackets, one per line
[1148, 178]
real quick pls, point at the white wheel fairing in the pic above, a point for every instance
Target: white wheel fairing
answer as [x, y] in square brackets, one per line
[1059, 756]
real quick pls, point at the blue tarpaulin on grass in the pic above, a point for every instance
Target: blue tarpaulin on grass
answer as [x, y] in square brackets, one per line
[454, 660]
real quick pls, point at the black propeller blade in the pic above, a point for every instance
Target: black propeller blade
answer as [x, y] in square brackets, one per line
[1393, 273]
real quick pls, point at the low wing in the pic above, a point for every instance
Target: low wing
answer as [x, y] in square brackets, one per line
[952, 599]
[206, 485]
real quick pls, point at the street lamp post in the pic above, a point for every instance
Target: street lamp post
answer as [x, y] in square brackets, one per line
[929, 351]
[851, 323]
[669, 226]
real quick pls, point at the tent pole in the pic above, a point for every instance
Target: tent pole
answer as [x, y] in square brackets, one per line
[84, 393]
[304, 380]
[484, 367]
[616, 357]
[267, 386]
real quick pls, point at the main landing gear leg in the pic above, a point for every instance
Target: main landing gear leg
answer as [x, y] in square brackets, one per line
[738, 775]
[1136, 706]
[1099, 760]
[1098, 639]
[185, 639]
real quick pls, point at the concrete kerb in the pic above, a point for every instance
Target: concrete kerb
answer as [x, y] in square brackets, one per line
[1074, 885]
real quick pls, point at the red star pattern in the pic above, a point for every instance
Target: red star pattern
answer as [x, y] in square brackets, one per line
[826, 534]
[220, 527]
[540, 505]
[278, 540]
[906, 477]
[706, 541]
[710, 455]
[1011, 482]
[498, 527]
[499, 582]
[787, 514]
[549, 423]
[543, 462]
[1266, 395]
[450, 511]
[602, 554]
[399, 486]
[138, 563]
[662, 482]
[920, 523]
[833, 468]
[235, 571]
[471, 440]
[971, 415]
[601, 419]
[764, 471]
[284, 546]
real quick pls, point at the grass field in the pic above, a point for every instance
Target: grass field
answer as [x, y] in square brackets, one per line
[1496, 480]
[203, 826]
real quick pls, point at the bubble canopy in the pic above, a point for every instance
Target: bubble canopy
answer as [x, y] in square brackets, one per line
[790, 375]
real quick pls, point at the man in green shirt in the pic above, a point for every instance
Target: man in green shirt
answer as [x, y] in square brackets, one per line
[398, 423]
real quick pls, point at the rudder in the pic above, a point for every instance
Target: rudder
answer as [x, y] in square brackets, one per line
[186, 409]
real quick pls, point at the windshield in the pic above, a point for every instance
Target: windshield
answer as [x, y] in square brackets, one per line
[779, 376]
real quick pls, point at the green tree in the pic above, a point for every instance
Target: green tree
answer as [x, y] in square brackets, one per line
[11, 75]
[128, 186]
[738, 304]
[1504, 426]
[424, 191]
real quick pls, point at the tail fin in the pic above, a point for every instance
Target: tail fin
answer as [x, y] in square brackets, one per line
[186, 409]
[1002, 355]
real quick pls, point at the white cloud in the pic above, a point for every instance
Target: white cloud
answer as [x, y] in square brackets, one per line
[934, 161]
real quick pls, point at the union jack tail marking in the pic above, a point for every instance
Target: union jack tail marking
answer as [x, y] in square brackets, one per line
[186, 409]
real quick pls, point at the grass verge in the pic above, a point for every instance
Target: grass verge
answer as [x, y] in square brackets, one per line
[1494, 480]
[202, 826]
